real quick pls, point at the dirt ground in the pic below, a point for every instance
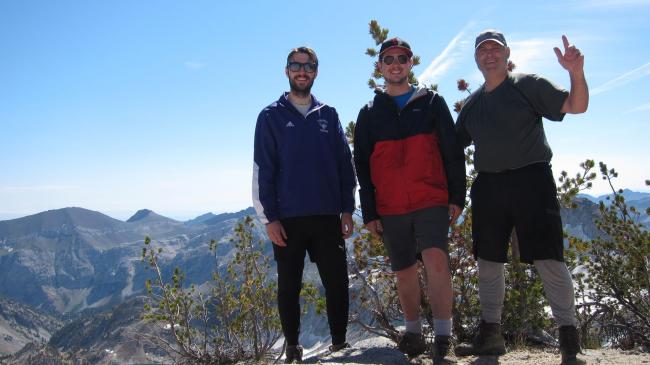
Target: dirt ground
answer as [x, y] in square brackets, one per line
[380, 351]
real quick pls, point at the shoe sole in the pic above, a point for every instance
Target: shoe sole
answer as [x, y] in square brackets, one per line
[470, 352]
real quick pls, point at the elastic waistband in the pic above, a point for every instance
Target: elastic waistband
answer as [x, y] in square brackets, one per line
[532, 166]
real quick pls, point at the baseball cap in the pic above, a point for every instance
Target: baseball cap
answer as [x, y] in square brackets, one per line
[490, 35]
[395, 43]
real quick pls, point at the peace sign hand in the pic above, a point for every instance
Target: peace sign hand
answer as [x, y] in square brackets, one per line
[572, 60]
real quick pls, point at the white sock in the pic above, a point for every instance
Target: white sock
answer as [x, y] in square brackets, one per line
[413, 326]
[442, 327]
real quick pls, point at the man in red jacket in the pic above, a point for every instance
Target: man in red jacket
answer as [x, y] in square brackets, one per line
[411, 173]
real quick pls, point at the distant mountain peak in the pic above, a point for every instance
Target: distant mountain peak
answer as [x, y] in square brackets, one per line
[140, 215]
[147, 215]
[55, 219]
[212, 219]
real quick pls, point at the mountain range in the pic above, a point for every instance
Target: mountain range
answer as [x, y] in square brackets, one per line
[74, 278]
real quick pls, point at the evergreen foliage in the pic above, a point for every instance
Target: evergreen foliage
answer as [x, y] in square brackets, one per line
[614, 285]
[231, 321]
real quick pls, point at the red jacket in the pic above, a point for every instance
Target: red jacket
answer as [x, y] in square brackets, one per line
[407, 159]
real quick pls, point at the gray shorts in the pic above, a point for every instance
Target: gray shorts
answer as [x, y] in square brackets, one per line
[406, 235]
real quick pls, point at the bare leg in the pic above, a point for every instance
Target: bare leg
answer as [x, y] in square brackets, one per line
[408, 290]
[438, 282]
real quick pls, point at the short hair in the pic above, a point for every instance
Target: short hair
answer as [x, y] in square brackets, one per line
[306, 50]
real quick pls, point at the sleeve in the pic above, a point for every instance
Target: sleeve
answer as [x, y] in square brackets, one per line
[362, 152]
[346, 170]
[264, 171]
[545, 97]
[451, 150]
[462, 135]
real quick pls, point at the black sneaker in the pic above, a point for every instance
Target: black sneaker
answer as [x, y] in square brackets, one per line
[440, 349]
[412, 344]
[339, 346]
[293, 354]
[488, 341]
[570, 346]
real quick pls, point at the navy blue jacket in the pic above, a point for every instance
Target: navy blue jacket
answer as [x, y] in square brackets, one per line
[303, 165]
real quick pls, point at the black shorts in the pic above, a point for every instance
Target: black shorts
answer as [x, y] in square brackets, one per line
[406, 235]
[524, 199]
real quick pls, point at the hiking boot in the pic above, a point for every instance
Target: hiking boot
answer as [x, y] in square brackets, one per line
[339, 346]
[293, 354]
[488, 341]
[412, 344]
[440, 349]
[570, 346]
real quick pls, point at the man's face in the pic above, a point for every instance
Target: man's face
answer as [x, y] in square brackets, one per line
[392, 69]
[491, 57]
[301, 81]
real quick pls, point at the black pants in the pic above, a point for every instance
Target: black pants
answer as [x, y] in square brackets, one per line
[321, 237]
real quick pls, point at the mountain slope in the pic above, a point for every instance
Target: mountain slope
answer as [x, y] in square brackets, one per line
[72, 259]
[20, 325]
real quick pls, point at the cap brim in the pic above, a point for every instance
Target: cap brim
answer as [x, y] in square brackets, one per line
[487, 40]
[408, 51]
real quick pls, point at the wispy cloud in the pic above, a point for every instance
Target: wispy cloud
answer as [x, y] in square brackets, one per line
[627, 77]
[640, 108]
[529, 55]
[455, 51]
[194, 65]
[612, 4]
[533, 54]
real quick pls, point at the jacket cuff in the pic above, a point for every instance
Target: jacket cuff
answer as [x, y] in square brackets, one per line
[457, 199]
[370, 217]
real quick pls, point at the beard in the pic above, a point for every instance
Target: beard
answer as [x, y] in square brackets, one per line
[401, 81]
[301, 91]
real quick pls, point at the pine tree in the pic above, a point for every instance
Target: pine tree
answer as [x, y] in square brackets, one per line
[233, 320]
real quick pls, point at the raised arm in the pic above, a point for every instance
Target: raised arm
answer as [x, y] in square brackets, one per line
[573, 61]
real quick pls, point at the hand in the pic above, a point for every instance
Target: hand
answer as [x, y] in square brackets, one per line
[454, 213]
[375, 228]
[347, 227]
[572, 60]
[276, 233]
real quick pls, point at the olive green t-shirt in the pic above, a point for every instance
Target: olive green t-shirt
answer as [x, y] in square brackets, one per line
[505, 124]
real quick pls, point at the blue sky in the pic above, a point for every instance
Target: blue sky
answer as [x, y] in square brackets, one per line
[119, 105]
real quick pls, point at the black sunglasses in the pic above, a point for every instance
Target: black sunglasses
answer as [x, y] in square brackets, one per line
[402, 59]
[296, 66]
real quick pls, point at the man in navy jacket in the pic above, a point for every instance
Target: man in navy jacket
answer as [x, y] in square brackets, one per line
[303, 190]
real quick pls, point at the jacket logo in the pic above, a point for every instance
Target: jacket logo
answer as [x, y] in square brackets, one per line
[323, 125]
[290, 124]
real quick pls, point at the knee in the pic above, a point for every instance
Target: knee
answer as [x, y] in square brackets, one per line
[436, 259]
[410, 273]
[490, 270]
[336, 282]
[289, 289]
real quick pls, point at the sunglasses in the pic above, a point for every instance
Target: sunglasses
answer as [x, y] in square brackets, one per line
[296, 66]
[402, 59]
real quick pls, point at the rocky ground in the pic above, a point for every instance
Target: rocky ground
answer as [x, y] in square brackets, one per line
[380, 351]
